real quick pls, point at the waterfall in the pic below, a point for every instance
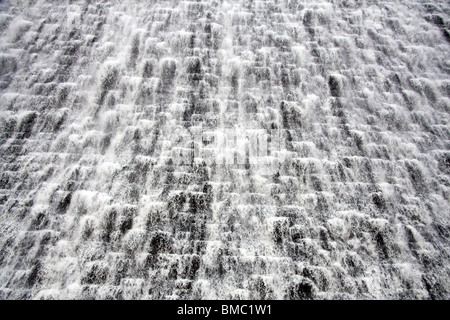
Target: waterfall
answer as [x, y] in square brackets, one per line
[218, 149]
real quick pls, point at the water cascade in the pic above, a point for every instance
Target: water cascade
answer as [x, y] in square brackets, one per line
[277, 149]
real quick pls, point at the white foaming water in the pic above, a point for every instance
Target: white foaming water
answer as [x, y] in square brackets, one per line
[279, 149]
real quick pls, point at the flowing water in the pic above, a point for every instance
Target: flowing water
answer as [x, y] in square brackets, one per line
[279, 149]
